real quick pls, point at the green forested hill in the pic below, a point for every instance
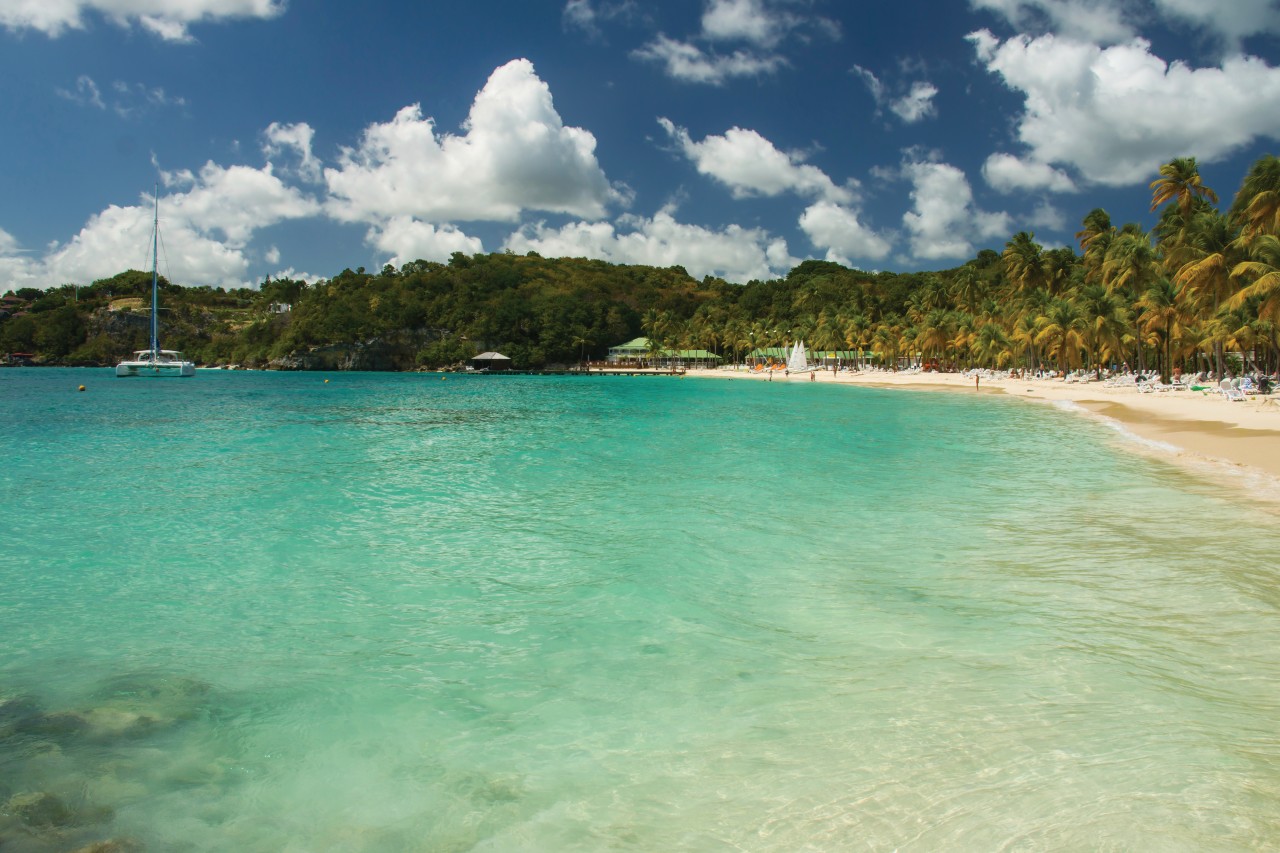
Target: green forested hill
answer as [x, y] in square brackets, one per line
[1200, 291]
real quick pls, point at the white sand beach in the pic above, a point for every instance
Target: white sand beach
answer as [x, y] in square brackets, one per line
[1191, 427]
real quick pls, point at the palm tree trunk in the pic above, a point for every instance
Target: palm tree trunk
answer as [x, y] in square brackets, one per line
[1167, 369]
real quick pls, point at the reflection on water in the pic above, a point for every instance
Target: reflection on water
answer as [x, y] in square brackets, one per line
[390, 613]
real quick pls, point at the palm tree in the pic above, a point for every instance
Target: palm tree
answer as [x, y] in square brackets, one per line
[1023, 336]
[1180, 180]
[1024, 262]
[1060, 266]
[933, 293]
[1202, 266]
[968, 288]
[965, 329]
[887, 339]
[857, 329]
[1163, 316]
[1105, 324]
[1096, 223]
[657, 326]
[1263, 275]
[933, 334]
[828, 335]
[1062, 332]
[991, 345]
[735, 337]
[1131, 262]
[1256, 208]
[1095, 253]
[582, 342]
[708, 332]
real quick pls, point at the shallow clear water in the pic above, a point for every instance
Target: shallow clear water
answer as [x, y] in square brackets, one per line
[264, 612]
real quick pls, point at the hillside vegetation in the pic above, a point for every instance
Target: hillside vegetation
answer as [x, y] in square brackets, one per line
[1200, 291]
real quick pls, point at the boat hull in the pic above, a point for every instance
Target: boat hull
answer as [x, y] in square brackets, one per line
[147, 368]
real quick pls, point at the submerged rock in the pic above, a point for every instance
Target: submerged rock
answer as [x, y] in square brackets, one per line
[13, 711]
[39, 810]
[60, 724]
[139, 704]
[119, 723]
[111, 845]
[153, 689]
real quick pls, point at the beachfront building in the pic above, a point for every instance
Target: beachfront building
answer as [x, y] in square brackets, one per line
[491, 361]
[638, 353]
[631, 354]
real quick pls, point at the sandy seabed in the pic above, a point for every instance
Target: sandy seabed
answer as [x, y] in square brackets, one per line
[1202, 430]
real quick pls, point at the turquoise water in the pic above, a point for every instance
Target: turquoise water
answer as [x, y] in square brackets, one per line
[263, 612]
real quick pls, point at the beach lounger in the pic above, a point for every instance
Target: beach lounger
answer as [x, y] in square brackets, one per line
[1231, 392]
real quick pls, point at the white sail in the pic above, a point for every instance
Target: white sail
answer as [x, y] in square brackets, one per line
[798, 359]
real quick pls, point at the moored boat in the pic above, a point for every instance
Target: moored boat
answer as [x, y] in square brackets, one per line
[154, 361]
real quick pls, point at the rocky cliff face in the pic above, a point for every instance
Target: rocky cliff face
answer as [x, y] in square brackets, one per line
[374, 354]
[119, 325]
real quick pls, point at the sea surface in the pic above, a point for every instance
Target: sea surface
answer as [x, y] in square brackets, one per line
[414, 612]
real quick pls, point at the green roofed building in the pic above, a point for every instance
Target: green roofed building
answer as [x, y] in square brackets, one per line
[636, 349]
[637, 353]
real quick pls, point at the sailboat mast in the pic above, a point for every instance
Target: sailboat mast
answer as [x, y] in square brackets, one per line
[155, 280]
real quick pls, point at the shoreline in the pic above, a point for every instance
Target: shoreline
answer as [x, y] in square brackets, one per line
[1198, 430]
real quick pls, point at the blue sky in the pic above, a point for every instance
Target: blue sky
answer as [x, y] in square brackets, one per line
[733, 137]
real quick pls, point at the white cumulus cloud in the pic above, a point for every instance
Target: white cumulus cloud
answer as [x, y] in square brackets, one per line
[86, 93]
[913, 105]
[1230, 21]
[204, 231]
[235, 201]
[9, 244]
[750, 165]
[1092, 20]
[296, 138]
[745, 20]
[1116, 113]
[588, 15]
[759, 25]
[943, 221]
[685, 61]
[1006, 173]
[917, 104]
[838, 229]
[117, 239]
[408, 239]
[516, 155]
[1047, 216]
[1109, 22]
[168, 19]
[733, 253]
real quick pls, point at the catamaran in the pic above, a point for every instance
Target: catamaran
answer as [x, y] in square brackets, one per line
[155, 361]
